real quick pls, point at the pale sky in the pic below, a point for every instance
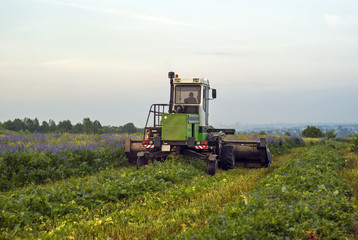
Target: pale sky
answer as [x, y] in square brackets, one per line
[271, 61]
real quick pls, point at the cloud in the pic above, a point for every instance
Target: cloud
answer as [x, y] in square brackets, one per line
[217, 53]
[332, 20]
[124, 13]
[78, 64]
[67, 64]
[8, 67]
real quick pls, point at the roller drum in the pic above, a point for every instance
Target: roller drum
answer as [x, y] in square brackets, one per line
[132, 147]
[251, 155]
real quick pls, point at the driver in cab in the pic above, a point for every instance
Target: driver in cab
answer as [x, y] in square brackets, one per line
[190, 99]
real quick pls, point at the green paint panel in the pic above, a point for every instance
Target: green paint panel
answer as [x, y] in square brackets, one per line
[202, 137]
[175, 127]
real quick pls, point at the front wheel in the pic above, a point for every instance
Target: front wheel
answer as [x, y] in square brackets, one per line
[212, 167]
[141, 161]
[227, 160]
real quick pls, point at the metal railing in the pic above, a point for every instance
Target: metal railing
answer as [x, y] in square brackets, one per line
[157, 110]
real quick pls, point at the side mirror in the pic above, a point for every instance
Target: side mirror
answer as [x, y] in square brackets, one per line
[213, 93]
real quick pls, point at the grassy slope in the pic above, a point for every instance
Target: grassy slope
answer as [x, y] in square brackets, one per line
[5, 131]
[179, 208]
[304, 199]
[350, 175]
[37, 211]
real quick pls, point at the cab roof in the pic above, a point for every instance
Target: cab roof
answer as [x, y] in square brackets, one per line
[191, 80]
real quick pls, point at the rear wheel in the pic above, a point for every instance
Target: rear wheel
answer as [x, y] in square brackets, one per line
[212, 167]
[227, 160]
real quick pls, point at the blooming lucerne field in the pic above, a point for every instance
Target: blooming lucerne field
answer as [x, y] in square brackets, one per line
[81, 186]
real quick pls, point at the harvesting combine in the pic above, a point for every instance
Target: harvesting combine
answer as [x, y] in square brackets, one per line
[182, 127]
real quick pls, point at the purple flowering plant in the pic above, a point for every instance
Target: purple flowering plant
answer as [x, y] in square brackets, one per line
[41, 158]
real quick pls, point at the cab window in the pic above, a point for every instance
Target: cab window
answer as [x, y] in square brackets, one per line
[188, 94]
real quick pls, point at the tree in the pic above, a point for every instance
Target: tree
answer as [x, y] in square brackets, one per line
[111, 129]
[87, 126]
[77, 128]
[53, 126]
[262, 133]
[129, 128]
[96, 126]
[29, 124]
[18, 125]
[64, 126]
[35, 127]
[312, 132]
[8, 125]
[331, 134]
[45, 127]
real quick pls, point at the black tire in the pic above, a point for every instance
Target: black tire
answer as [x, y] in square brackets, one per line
[132, 157]
[141, 161]
[212, 167]
[227, 160]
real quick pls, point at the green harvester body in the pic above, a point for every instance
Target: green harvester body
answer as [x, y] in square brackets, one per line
[182, 127]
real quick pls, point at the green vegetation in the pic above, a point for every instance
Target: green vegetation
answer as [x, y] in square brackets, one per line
[304, 199]
[186, 206]
[350, 175]
[46, 158]
[87, 126]
[288, 134]
[262, 133]
[354, 147]
[5, 131]
[170, 194]
[330, 134]
[43, 208]
[312, 132]
[21, 169]
[279, 145]
[300, 196]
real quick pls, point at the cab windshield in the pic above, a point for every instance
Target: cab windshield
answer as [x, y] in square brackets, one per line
[188, 94]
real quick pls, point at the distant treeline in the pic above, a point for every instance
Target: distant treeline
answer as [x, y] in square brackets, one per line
[87, 126]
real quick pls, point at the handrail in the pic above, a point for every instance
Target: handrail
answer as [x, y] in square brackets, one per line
[158, 111]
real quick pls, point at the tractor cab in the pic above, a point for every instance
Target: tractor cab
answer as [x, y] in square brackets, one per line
[187, 98]
[191, 96]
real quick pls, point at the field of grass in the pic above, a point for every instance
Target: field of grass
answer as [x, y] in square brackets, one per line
[349, 174]
[307, 193]
[303, 199]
